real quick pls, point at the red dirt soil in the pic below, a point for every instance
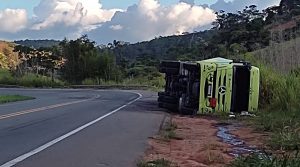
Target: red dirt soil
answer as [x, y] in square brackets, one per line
[198, 145]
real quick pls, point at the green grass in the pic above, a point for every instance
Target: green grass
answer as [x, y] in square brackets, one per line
[284, 129]
[13, 98]
[279, 115]
[153, 83]
[28, 80]
[169, 133]
[155, 163]
[280, 111]
[7, 78]
[33, 80]
[279, 107]
[265, 160]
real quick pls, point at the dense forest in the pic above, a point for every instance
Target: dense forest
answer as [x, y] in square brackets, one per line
[83, 61]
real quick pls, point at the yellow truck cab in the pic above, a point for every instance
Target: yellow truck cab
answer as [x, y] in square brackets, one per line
[213, 85]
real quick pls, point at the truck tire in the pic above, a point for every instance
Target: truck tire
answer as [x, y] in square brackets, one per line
[182, 109]
[161, 93]
[168, 99]
[161, 105]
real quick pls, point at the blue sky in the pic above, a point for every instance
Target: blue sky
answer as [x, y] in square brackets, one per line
[108, 4]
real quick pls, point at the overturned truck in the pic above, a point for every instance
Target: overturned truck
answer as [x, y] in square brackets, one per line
[214, 85]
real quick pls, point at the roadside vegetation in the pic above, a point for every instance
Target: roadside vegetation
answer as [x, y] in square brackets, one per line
[28, 80]
[75, 62]
[156, 163]
[168, 133]
[13, 98]
[279, 116]
[266, 160]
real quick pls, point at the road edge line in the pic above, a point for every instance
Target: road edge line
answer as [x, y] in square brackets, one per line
[53, 142]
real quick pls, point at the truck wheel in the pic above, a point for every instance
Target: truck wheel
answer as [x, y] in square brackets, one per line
[168, 99]
[180, 105]
[161, 93]
[182, 109]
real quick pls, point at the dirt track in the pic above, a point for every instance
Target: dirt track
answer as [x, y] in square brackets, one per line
[197, 145]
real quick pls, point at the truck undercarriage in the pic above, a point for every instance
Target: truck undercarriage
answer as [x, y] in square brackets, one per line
[182, 87]
[209, 86]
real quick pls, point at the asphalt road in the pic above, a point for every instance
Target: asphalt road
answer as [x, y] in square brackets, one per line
[77, 128]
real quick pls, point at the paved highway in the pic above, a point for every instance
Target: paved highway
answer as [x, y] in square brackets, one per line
[77, 128]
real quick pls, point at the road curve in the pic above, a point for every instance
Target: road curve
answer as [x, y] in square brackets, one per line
[68, 127]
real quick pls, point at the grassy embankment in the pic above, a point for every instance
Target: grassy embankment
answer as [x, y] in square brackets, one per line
[279, 115]
[28, 80]
[33, 80]
[13, 98]
[155, 83]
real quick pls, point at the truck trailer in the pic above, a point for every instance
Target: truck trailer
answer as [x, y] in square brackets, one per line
[208, 86]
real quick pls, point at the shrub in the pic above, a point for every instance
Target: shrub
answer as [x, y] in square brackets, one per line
[33, 80]
[89, 81]
[155, 163]
[265, 160]
[6, 78]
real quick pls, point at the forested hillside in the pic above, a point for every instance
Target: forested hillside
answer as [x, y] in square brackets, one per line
[163, 47]
[38, 43]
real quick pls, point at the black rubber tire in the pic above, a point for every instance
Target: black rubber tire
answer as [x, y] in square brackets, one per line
[161, 93]
[168, 99]
[171, 107]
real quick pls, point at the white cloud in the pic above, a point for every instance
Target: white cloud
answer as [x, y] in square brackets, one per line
[12, 20]
[149, 18]
[116, 27]
[56, 19]
[81, 13]
[236, 5]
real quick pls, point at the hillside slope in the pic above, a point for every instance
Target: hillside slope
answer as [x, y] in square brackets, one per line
[283, 56]
[163, 47]
[38, 43]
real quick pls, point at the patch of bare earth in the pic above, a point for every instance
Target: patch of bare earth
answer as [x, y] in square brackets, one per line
[196, 144]
[251, 137]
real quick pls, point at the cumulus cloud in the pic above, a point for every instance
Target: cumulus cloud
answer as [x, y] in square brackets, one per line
[149, 19]
[236, 5]
[55, 19]
[12, 20]
[84, 13]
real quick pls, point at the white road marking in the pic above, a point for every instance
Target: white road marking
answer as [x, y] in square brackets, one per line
[51, 143]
